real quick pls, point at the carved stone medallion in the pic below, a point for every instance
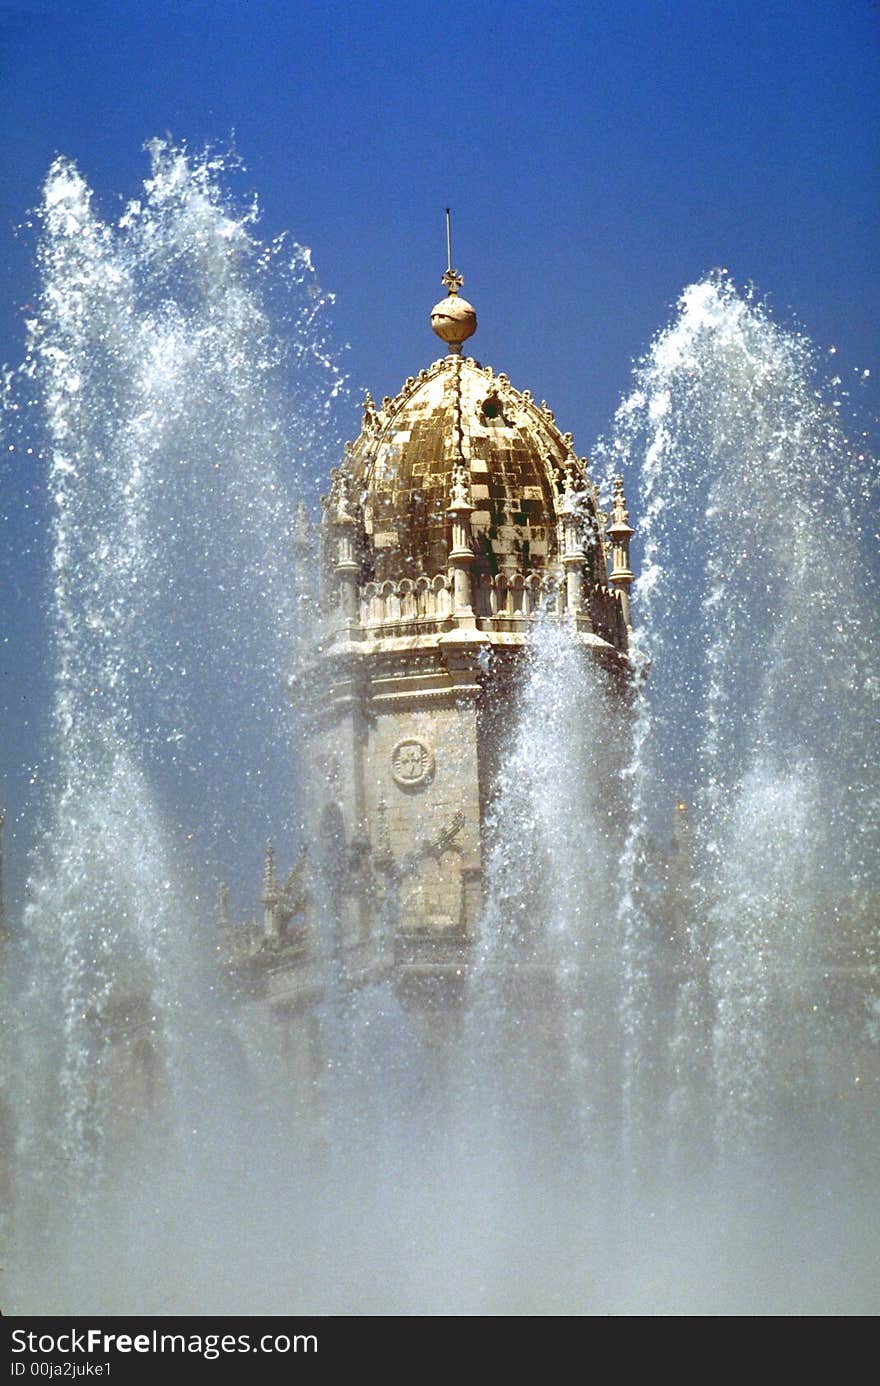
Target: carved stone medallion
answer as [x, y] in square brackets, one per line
[412, 763]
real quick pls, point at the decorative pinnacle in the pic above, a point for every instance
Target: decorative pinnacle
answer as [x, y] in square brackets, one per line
[619, 503]
[340, 498]
[370, 412]
[571, 506]
[460, 491]
[270, 880]
[619, 514]
[620, 531]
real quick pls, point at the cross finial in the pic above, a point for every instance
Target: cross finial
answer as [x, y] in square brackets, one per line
[451, 280]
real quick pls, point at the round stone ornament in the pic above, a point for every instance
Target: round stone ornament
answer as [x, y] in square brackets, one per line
[412, 763]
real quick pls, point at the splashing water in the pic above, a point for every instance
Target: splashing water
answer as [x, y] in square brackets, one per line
[179, 426]
[692, 984]
[554, 830]
[759, 612]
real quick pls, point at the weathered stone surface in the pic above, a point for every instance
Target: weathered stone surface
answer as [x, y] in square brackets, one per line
[402, 466]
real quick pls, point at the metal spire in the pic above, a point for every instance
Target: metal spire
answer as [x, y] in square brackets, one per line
[452, 280]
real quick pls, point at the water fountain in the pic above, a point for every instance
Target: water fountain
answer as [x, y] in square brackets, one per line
[707, 1108]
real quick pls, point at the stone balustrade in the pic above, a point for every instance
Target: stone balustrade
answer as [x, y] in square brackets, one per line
[502, 601]
[426, 602]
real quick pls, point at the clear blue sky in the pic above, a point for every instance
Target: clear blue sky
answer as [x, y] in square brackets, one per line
[598, 157]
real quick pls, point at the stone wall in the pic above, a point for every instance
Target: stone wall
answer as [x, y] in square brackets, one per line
[395, 761]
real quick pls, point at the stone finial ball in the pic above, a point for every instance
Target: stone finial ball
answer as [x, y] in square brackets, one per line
[454, 320]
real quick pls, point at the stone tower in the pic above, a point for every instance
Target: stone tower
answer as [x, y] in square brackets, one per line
[458, 515]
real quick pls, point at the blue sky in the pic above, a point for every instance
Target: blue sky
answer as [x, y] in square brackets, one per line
[597, 158]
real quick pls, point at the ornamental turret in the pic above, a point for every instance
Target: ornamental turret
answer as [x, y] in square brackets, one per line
[620, 533]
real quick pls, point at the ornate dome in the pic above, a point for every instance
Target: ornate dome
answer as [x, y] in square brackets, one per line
[458, 421]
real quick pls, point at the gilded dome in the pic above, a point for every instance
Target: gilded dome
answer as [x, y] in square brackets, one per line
[458, 419]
